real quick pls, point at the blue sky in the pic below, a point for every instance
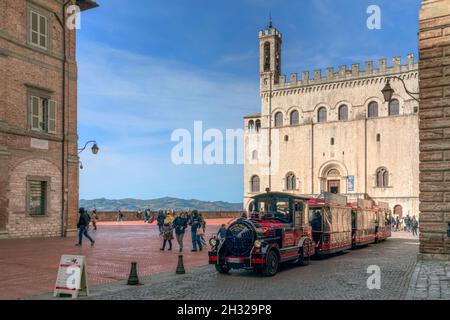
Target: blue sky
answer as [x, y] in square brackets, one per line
[148, 67]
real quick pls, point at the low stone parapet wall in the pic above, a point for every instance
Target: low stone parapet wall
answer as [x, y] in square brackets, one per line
[136, 216]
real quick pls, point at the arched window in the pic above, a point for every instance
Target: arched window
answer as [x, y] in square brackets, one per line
[343, 113]
[294, 118]
[322, 114]
[251, 125]
[254, 155]
[258, 125]
[278, 119]
[290, 181]
[382, 178]
[394, 108]
[254, 184]
[372, 110]
[332, 141]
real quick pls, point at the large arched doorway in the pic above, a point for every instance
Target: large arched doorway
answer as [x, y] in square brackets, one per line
[333, 181]
[398, 211]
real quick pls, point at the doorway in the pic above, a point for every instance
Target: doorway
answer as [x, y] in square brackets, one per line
[334, 186]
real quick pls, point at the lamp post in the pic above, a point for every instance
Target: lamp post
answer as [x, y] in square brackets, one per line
[388, 91]
[94, 148]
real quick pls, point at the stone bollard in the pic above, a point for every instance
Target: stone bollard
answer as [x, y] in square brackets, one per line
[180, 267]
[133, 279]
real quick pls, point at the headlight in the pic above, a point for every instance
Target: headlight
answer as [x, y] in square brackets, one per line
[213, 242]
[258, 243]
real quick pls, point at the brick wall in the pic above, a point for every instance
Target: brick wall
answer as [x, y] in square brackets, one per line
[434, 82]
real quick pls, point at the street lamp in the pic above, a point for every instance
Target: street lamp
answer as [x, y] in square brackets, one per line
[388, 92]
[94, 148]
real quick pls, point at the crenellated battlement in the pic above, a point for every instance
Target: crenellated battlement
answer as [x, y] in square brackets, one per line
[344, 73]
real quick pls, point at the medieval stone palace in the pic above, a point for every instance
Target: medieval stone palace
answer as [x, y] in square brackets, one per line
[334, 132]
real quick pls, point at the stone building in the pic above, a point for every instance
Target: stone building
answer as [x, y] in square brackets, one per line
[38, 119]
[434, 80]
[334, 132]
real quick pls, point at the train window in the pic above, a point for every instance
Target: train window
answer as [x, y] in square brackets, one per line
[298, 211]
[282, 211]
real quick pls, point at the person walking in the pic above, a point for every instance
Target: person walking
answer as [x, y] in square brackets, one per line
[94, 219]
[397, 224]
[83, 227]
[145, 216]
[160, 221]
[196, 225]
[167, 234]
[202, 231]
[180, 224]
[414, 225]
[119, 217]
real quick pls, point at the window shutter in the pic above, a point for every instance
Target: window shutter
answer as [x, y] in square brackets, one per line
[34, 113]
[43, 31]
[51, 116]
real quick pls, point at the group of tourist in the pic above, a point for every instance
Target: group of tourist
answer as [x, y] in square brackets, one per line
[407, 224]
[169, 222]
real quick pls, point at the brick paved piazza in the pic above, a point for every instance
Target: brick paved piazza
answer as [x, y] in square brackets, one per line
[29, 266]
[340, 277]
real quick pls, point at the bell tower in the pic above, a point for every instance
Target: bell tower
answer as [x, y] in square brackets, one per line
[270, 40]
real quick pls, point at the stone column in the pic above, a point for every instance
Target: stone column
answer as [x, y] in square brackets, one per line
[434, 129]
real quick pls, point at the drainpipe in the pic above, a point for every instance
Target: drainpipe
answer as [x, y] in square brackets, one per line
[270, 131]
[63, 110]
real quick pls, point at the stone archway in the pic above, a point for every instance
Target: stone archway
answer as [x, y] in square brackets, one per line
[333, 178]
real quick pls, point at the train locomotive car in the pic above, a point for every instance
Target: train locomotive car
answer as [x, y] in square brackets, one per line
[278, 231]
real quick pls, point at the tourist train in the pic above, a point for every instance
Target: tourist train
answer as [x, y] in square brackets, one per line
[286, 228]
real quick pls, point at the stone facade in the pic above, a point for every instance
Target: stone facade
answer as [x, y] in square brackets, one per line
[345, 152]
[434, 66]
[31, 85]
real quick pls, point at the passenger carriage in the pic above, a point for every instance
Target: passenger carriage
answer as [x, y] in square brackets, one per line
[363, 223]
[383, 221]
[331, 223]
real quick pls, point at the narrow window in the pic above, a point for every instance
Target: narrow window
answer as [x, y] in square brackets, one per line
[251, 125]
[278, 119]
[372, 111]
[343, 113]
[266, 56]
[255, 155]
[254, 184]
[38, 30]
[258, 125]
[294, 118]
[378, 137]
[332, 141]
[37, 197]
[42, 114]
[382, 178]
[322, 114]
[394, 108]
[290, 181]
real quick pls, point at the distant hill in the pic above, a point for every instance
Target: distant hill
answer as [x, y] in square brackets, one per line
[158, 204]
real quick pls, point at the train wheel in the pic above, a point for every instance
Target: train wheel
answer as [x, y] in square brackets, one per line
[222, 268]
[271, 267]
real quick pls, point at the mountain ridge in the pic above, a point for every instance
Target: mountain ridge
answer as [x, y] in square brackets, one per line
[132, 204]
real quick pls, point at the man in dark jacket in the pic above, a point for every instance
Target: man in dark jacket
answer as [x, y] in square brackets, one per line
[180, 224]
[160, 220]
[83, 226]
[196, 223]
